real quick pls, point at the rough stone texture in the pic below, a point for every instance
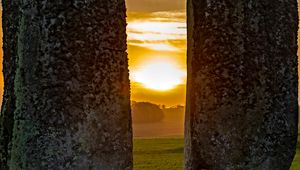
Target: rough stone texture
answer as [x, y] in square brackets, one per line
[10, 24]
[242, 84]
[71, 86]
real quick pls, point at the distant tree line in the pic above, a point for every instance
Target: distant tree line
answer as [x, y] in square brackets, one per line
[146, 112]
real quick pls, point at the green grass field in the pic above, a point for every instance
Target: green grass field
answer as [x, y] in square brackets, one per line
[158, 154]
[167, 154]
[296, 163]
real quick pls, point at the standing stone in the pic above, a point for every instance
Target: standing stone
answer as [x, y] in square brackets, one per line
[71, 86]
[10, 23]
[242, 85]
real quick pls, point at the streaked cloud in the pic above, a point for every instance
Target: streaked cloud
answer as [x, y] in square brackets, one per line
[157, 30]
[160, 37]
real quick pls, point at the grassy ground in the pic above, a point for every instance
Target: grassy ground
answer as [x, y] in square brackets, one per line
[167, 154]
[296, 163]
[158, 154]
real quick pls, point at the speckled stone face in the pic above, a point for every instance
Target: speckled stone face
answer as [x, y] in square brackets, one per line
[242, 85]
[71, 86]
[66, 66]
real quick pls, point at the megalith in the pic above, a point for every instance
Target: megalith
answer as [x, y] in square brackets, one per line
[70, 87]
[242, 85]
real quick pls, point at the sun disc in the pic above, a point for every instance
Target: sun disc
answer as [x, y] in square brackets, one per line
[159, 75]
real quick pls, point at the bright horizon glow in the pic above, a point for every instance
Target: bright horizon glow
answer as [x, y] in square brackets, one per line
[159, 75]
[157, 55]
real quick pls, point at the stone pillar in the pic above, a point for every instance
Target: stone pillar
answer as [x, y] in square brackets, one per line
[242, 84]
[10, 23]
[71, 86]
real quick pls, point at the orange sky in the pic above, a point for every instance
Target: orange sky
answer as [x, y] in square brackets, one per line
[156, 33]
[165, 41]
[157, 36]
[155, 5]
[1, 59]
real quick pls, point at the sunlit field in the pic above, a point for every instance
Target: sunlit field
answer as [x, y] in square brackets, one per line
[158, 154]
[296, 163]
[167, 154]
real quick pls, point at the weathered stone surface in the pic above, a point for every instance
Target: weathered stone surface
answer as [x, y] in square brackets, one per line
[71, 86]
[242, 84]
[10, 23]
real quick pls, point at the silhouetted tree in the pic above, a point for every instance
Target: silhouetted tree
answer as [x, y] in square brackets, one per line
[144, 112]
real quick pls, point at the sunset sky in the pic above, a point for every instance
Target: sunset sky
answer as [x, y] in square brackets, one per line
[157, 50]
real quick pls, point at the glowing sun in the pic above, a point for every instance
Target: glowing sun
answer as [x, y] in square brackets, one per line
[159, 75]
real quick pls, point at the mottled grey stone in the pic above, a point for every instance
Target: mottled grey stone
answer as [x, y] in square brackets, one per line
[71, 85]
[10, 23]
[242, 84]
